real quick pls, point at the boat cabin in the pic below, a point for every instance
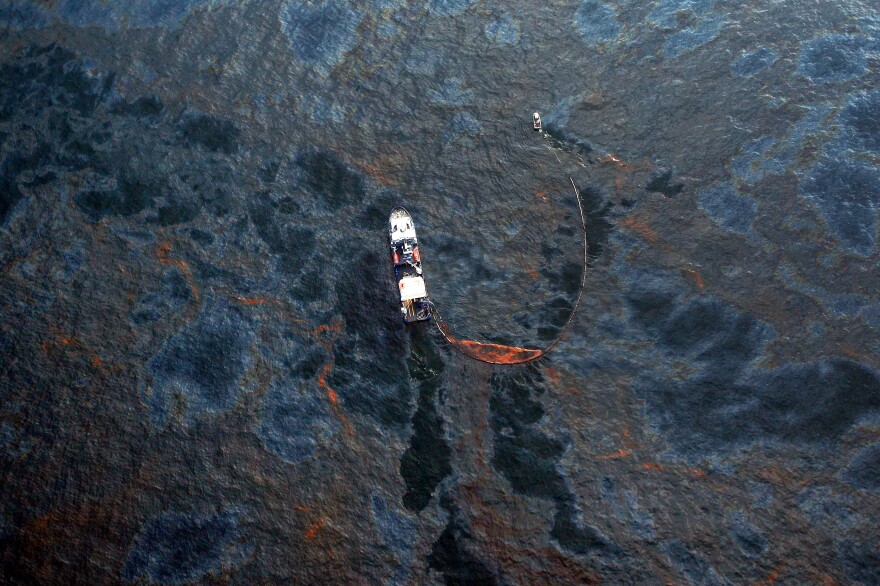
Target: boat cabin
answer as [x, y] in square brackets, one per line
[414, 302]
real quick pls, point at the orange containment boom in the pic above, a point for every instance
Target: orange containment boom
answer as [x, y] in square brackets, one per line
[499, 354]
[491, 353]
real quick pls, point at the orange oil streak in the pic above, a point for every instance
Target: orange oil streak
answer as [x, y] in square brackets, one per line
[322, 382]
[376, 173]
[657, 468]
[76, 345]
[327, 342]
[621, 453]
[333, 329]
[623, 165]
[615, 161]
[640, 228]
[313, 530]
[628, 442]
[250, 300]
[162, 253]
[385, 169]
[771, 578]
[696, 276]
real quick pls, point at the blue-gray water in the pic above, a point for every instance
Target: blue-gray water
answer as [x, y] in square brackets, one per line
[203, 375]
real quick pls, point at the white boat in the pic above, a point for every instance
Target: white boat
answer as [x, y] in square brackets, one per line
[414, 303]
[536, 121]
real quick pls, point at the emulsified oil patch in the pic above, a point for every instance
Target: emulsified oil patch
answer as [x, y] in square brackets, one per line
[321, 33]
[127, 216]
[213, 541]
[427, 460]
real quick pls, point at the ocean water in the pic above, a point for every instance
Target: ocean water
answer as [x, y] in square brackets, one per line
[203, 375]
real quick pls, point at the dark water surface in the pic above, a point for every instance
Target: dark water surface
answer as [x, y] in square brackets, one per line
[203, 375]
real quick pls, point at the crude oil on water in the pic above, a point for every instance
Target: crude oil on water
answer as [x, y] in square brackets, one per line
[204, 378]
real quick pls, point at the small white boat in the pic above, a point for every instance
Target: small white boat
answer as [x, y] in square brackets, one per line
[414, 302]
[536, 121]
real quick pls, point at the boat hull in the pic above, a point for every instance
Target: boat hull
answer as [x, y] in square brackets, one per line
[415, 305]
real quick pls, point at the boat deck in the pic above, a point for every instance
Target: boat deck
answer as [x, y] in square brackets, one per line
[404, 249]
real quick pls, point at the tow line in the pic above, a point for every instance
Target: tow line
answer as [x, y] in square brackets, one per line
[500, 354]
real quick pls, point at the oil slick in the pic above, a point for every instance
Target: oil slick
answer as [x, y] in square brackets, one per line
[402, 234]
